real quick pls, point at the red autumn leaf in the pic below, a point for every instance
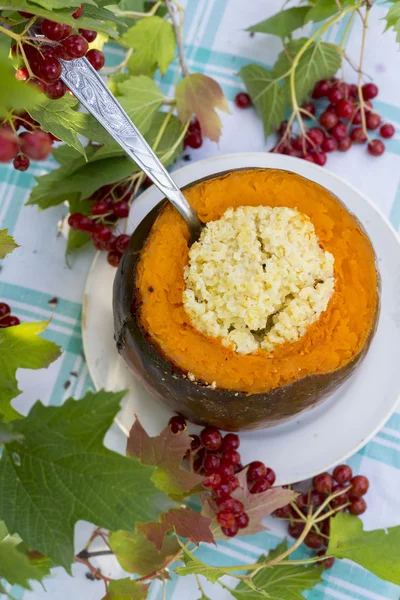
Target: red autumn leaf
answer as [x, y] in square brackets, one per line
[200, 95]
[257, 506]
[166, 452]
[184, 521]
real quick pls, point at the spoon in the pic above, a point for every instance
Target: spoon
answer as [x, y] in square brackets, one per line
[90, 89]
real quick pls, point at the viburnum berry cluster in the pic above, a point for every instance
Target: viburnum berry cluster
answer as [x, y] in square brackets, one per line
[193, 137]
[346, 492]
[110, 203]
[6, 318]
[217, 458]
[39, 65]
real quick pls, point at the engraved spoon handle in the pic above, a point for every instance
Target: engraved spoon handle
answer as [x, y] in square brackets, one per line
[90, 89]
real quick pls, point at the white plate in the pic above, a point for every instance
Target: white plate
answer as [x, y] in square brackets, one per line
[325, 435]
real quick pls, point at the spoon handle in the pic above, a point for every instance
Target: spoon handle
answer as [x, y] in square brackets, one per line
[90, 89]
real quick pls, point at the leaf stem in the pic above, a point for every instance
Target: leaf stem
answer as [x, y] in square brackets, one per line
[360, 71]
[96, 572]
[178, 35]
[347, 30]
[10, 33]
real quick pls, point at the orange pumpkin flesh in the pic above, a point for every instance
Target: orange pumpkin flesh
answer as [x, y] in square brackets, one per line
[273, 389]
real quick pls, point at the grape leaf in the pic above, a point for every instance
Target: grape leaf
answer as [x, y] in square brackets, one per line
[194, 566]
[13, 93]
[153, 40]
[280, 581]
[62, 120]
[323, 9]
[7, 433]
[21, 348]
[57, 4]
[7, 243]
[62, 473]
[126, 589]
[378, 551]
[285, 58]
[141, 98]
[200, 95]
[164, 451]
[267, 95]
[15, 565]
[283, 23]
[184, 521]
[136, 554]
[392, 18]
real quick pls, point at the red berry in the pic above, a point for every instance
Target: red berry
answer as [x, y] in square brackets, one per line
[358, 506]
[226, 519]
[51, 30]
[387, 130]
[114, 258]
[242, 100]
[282, 128]
[230, 531]
[25, 14]
[231, 457]
[56, 90]
[309, 107]
[21, 162]
[75, 46]
[335, 95]
[344, 109]
[320, 158]
[326, 527]
[213, 480]
[238, 507]
[329, 144]
[302, 501]
[177, 423]
[4, 309]
[270, 476]
[256, 471]
[316, 499]
[193, 139]
[316, 135]
[369, 91]
[321, 89]
[339, 131]
[35, 144]
[353, 90]
[284, 512]
[211, 463]
[88, 34]
[226, 471]
[328, 119]
[211, 438]
[260, 486]
[96, 58]
[99, 208]
[295, 153]
[358, 136]
[359, 485]
[121, 244]
[328, 563]
[78, 12]
[314, 541]
[66, 31]
[230, 442]
[102, 233]
[9, 321]
[345, 144]
[357, 118]
[373, 120]
[121, 209]
[296, 529]
[80, 222]
[308, 157]
[226, 504]
[50, 69]
[223, 491]
[323, 483]
[342, 474]
[22, 74]
[342, 498]
[376, 148]
[8, 145]
[242, 520]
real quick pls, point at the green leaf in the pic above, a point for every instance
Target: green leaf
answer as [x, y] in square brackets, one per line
[153, 40]
[194, 566]
[126, 589]
[323, 9]
[63, 120]
[141, 98]
[138, 555]
[283, 23]
[21, 348]
[378, 551]
[77, 239]
[200, 95]
[267, 95]
[7, 433]
[7, 243]
[57, 4]
[165, 451]
[15, 94]
[392, 18]
[62, 473]
[15, 565]
[280, 581]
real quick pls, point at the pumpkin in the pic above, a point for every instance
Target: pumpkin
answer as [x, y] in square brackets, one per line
[206, 381]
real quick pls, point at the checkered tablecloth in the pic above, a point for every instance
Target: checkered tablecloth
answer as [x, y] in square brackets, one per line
[38, 285]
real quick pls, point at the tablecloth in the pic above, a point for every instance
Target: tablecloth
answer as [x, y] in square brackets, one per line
[38, 284]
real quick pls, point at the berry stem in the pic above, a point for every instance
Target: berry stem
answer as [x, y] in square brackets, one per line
[10, 33]
[332, 512]
[179, 38]
[360, 71]
[347, 31]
